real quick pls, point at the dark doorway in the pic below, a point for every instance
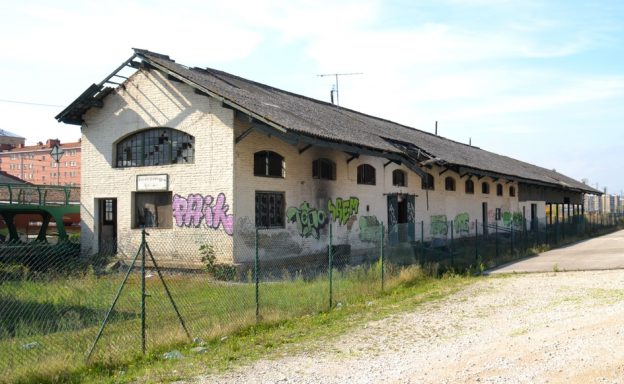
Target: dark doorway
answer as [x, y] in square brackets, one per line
[107, 226]
[401, 219]
[485, 218]
[533, 217]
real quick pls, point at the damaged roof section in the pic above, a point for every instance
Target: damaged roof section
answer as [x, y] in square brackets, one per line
[93, 96]
[304, 117]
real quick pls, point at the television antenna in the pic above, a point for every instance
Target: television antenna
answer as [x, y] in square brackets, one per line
[335, 86]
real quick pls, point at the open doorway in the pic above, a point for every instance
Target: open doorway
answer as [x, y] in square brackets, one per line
[401, 219]
[107, 226]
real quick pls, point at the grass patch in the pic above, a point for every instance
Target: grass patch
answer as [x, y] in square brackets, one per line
[293, 316]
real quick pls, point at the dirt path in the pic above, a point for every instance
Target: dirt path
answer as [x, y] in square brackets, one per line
[537, 328]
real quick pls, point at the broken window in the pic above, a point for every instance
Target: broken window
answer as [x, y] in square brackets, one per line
[156, 146]
[270, 209]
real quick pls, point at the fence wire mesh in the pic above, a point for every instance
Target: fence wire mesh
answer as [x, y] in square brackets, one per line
[55, 296]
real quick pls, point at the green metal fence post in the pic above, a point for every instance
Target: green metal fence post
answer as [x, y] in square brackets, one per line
[477, 242]
[512, 240]
[381, 255]
[422, 241]
[496, 239]
[330, 262]
[451, 247]
[257, 278]
[143, 290]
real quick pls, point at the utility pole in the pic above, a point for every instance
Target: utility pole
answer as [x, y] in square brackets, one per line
[336, 84]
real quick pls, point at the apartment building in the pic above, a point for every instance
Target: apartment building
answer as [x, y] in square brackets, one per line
[35, 163]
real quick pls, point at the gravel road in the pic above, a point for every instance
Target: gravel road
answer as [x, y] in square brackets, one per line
[565, 327]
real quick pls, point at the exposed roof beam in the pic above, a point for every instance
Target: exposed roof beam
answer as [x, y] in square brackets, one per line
[305, 148]
[215, 95]
[353, 156]
[243, 135]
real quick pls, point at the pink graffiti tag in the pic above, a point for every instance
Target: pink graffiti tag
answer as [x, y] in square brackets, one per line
[190, 211]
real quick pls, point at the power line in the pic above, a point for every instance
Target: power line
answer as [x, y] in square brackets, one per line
[29, 103]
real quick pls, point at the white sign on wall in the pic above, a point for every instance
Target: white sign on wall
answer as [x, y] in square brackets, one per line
[152, 182]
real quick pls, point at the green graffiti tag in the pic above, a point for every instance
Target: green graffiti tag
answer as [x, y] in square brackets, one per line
[514, 219]
[461, 223]
[341, 210]
[309, 220]
[439, 226]
[370, 228]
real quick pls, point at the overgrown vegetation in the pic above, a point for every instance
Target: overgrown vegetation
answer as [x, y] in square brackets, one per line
[45, 337]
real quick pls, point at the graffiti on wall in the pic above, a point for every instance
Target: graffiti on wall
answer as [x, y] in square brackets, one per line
[510, 219]
[341, 210]
[461, 223]
[196, 209]
[439, 225]
[370, 228]
[309, 220]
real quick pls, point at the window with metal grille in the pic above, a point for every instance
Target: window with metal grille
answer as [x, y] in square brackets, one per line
[156, 146]
[366, 174]
[427, 182]
[324, 169]
[399, 178]
[270, 209]
[268, 164]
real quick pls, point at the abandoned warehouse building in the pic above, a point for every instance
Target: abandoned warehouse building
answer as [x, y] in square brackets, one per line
[199, 152]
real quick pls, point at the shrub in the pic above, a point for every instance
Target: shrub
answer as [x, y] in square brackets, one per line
[220, 271]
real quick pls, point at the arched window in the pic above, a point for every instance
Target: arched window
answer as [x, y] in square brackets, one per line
[512, 191]
[399, 178]
[469, 187]
[499, 190]
[366, 174]
[485, 188]
[156, 146]
[427, 182]
[449, 183]
[268, 164]
[324, 169]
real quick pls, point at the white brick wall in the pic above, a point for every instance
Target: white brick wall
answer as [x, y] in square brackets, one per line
[149, 100]
[299, 186]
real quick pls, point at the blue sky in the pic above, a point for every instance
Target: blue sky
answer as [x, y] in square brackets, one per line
[541, 81]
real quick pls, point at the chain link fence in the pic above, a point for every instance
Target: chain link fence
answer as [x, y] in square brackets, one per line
[62, 308]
